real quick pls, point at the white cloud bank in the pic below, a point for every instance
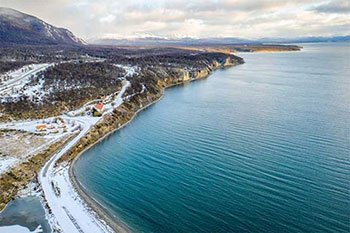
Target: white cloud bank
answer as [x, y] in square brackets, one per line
[192, 18]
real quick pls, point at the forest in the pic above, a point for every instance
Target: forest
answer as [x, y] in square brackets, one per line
[74, 80]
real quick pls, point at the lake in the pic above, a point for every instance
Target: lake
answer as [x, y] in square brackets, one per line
[261, 147]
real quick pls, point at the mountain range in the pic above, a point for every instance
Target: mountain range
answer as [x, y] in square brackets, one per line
[23, 29]
[154, 41]
[19, 28]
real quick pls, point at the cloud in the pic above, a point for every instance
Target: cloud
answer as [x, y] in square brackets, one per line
[194, 18]
[108, 18]
[337, 6]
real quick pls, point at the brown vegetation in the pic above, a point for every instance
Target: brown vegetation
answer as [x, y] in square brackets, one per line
[71, 85]
[125, 112]
[18, 177]
[158, 70]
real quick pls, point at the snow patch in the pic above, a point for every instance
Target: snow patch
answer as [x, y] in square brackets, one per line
[67, 211]
[19, 229]
[15, 84]
[130, 70]
[6, 163]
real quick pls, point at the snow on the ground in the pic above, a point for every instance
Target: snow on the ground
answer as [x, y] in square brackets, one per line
[31, 190]
[81, 111]
[56, 130]
[6, 163]
[69, 212]
[36, 91]
[28, 126]
[19, 229]
[55, 127]
[73, 213]
[130, 70]
[23, 72]
[110, 104]
[118, 100]
[9, 161]
[14, 83]
[17, 83]
[86, 120]
[136, 93]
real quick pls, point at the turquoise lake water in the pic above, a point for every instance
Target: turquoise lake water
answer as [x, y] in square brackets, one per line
[261, 147]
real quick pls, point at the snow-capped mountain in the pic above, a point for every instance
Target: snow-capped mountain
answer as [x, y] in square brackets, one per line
[19, 28]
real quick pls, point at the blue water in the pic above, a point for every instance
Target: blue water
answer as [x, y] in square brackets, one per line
[26, 212]
[261, 147]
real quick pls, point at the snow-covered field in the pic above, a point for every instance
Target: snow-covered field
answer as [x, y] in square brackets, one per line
[6, 163]
[22, 152]
[15, 83]
[55, 131]
[70, 213]
[55, 126]
[19, 146]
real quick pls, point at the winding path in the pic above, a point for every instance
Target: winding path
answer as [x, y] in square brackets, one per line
[70, 211]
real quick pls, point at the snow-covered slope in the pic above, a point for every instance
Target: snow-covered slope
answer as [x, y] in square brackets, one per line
[19, 28]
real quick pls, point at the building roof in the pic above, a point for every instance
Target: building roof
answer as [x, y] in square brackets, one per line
[40, 127]
[99, 106]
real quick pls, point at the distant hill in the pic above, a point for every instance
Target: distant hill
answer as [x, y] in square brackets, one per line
[310, 39]
[19, 28]
[154, 41]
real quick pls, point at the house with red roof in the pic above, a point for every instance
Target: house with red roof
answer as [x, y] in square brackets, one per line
[98, 109]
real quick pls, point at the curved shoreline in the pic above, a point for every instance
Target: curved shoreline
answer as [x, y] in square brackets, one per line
[116, 224]
[98, 208]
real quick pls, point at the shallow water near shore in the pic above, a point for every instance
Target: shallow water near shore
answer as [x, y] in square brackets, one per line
[261, 147]
[25, 211]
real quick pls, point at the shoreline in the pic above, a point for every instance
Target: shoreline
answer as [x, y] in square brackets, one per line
[267, 51]
[94, 205]
[76, 209]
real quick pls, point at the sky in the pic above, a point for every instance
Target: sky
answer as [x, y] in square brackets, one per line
[93, 19]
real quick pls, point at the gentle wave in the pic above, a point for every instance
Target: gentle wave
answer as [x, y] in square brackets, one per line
[263, 147]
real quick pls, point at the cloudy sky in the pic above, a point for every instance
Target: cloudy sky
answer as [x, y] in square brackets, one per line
[251, 19]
